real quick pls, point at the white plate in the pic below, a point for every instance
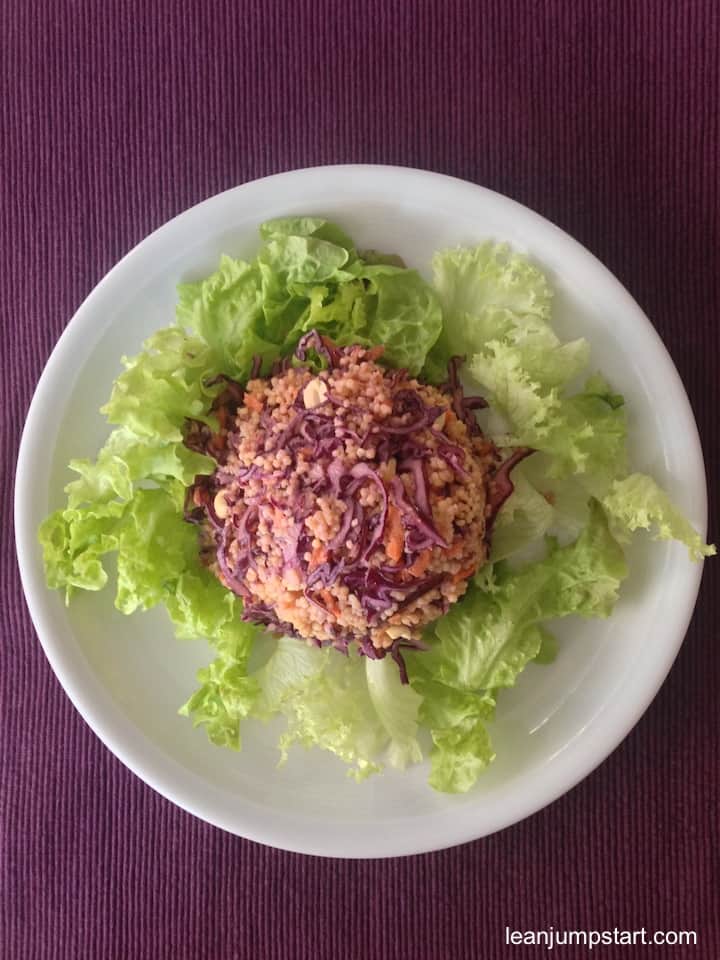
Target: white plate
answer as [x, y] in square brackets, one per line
[128, 676]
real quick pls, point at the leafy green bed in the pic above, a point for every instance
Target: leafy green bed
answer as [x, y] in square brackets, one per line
[487, 303]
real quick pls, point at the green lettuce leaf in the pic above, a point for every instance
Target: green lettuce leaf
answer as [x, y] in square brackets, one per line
[484, 642]
[457, 719]
[303, 260]
[163, 385]
[489, 277]
[340, 314]
[351, 706]
[73, 542]
[522, 521]
[496, 311]
[582, 432]
[155, 546]
[226, 312]
[307, 275]
[404, 316]
[568, 496]
[486, 292]
[199, 606]
[127, 459]
[136, 484]
[396, 707]
[638, 503]
[548, 647]
[226, 694]
[384, 305]
[307, 227]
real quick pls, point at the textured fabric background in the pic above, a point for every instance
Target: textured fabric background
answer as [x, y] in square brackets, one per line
[600, 114]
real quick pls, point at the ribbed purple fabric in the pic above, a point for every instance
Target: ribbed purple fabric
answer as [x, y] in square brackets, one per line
[117, 115]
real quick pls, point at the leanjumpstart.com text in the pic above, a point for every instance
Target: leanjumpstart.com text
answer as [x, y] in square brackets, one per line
[551, 938]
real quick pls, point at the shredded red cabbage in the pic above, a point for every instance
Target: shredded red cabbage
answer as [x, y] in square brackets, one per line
[501, 486]
[280, 366]
[321, 345]
[453, 455]
[395, 653]
[463, 407]
[421, 533]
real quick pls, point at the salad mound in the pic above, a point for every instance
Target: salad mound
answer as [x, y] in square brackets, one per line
[350, 505]
[243, 416]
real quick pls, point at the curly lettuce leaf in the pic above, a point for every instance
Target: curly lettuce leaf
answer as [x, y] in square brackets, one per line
[404, 316]
[496, 311]
[638, 503]
[154, 548]
[129, 500]
[522, 521]
[486, 292]
[489, 277]
[226, 311]
[351, 706]
[315, 227]
[582, 432]
[307, 275]
[226, 694]
[384, 305]
[200, 606]
[457, 719]
[484, 642]
[396, 707]
[162, 385]
[74, 541]
[125, 460]
[157, 563]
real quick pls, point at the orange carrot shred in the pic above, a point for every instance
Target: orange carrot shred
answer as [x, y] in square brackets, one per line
[394, 534]
[421, 564]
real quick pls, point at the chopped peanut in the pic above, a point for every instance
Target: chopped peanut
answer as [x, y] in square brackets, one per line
[315, 393]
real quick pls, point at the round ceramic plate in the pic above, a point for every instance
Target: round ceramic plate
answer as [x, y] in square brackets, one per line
[128, 676]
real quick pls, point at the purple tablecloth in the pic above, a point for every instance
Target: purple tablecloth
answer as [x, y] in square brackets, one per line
[115, 116]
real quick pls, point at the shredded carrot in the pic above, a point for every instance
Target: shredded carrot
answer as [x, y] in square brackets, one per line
[464, 573]
[421, 564]
[374, 352]
[330, 602]
[394, 534]
[253, 402]
[318, 555]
